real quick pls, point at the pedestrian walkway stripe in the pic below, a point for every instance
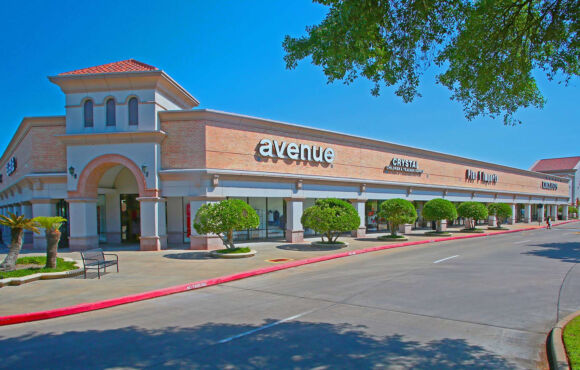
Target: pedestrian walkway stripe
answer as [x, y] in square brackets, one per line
[86, 307]
[445, 259]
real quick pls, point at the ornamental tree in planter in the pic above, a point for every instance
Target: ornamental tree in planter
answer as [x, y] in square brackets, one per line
[573, 211]
[330, 217]
[17, 225]
[397, 211]
[439, 209]
[51, 226]
[500, 210]
[224, 218]
[473, 211]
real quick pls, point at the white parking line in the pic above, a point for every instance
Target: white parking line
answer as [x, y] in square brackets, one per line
[522, 241]
[229, 339]
[445, 259]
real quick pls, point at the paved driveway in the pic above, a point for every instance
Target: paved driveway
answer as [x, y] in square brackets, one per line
[478, 303]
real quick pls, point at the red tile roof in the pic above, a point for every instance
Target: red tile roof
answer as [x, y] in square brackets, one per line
[129, 65]
[556, 164]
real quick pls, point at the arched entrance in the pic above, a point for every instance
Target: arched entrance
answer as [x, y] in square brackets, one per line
[112, 203]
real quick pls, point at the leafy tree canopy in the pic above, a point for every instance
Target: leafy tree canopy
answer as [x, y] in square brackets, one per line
[473, 210]
[486, 50]
[439, 209]
[330, 217]
[398, 211]
[224, 218]
[500, 210]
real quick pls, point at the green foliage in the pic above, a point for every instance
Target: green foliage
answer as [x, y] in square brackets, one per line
[473, 210]
[572, 210]
[486, 50]
[18, 222]
[49, 223]
[571, 337]
[40, 261]
[500, 210]
[439, 209]
[234, 250]
[330, 217]
[397, 211]
[224, 218]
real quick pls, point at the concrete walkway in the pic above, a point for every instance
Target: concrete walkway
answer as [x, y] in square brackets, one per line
[145, 271]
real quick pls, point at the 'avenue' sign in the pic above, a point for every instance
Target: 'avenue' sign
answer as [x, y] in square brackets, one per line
[302, 152]
[404, 166]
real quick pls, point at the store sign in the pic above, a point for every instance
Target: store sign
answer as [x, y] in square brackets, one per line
[11, 166]
[481, 176]
[549, 185]
[297, 152]
[401, 165]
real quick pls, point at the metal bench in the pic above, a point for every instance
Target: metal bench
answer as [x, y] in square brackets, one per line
[95, 259]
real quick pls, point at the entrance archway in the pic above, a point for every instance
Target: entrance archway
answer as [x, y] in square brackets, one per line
[144, 221]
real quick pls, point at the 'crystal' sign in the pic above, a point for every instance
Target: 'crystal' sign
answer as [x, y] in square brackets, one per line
[403, 166]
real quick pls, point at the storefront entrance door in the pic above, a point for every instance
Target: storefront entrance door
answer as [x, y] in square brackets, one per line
[130, 218]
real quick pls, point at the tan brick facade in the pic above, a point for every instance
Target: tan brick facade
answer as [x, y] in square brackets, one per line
[233, 146]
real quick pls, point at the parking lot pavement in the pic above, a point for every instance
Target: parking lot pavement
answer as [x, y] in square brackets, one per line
[145, 271]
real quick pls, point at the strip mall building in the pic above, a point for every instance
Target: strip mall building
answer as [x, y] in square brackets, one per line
[132, 161]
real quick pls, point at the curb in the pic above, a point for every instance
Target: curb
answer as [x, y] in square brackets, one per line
[86, 307]
[557, 351]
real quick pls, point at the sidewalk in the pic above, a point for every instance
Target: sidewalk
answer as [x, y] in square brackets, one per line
[146, 271]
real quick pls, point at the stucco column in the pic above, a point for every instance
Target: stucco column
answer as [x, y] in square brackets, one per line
[113, 210]
[153, 227]
[527, 213]
[555, 212]
[512, 219]
[359, 205]
[197, 241]
[28, 239]
[41, 207]
[565, 212]
[5, 232]
[294, 229]
[83, 224]
[541, 214]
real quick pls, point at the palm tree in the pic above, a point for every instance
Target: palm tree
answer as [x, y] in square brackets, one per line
[17, 224]
[51, 226]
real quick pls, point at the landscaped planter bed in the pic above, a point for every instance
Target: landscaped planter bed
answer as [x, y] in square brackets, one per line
[19, 280]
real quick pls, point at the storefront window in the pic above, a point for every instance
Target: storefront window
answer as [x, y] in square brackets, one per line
[276, 219]
[102, 218]
[308, 203]
[259, 205]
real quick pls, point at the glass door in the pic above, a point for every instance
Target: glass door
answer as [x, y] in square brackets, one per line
[130, 218]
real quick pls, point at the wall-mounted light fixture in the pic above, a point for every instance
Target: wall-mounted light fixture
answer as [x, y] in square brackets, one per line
[144, 169]
[215, 180]
[71, 170]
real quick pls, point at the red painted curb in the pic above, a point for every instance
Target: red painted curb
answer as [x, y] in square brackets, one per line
[86, 307]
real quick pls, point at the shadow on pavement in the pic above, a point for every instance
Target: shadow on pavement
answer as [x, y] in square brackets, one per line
[308, 247]
[565, 252]
[293, 345]
[189, 256]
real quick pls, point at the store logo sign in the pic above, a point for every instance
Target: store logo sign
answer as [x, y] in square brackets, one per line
[297, 152]
[481, 176]
[11, 166]
[549, 185]
[405, 166]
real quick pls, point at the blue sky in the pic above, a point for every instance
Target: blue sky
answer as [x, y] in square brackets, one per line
[228, 54]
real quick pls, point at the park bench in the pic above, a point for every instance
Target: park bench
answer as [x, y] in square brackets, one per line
[95, 259]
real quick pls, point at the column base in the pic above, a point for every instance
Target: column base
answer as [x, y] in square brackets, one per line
[205, 242]
[361, 232]
[153, 243]
[82, 243]
[294, 236]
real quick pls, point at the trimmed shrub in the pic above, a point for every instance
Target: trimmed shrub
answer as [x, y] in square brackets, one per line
[330, 217]
[224, 218]
[500, 210]
[473, 211]
[439, 209]
[397, 211]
